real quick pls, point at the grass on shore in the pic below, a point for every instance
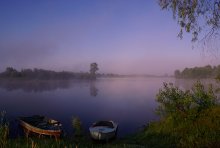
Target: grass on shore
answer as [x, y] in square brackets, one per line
[65, 143]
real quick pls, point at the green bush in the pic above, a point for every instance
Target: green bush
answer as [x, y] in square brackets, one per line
[190, 117]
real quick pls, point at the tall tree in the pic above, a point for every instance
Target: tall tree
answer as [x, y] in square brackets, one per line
[93, 69]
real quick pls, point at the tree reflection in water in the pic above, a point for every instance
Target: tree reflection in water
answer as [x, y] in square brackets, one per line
[93, 89]
[45, 85]
[34, 85]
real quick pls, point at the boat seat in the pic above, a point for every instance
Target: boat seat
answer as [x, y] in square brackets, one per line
[104, 123]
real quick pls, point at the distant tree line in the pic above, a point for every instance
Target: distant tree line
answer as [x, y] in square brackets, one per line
[43, 74]
[199, 72]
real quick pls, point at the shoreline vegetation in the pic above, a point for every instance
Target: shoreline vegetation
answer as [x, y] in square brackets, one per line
[42, 74]
[199, 72]
[189, 118]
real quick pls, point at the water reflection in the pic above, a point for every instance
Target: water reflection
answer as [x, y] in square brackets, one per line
[129, 102]
[93, 89]
[33, 85]
[38, 86]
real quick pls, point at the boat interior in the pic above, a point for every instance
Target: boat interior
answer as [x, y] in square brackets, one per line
[104, 123]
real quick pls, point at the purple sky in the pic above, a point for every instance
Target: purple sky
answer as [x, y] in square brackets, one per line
[122, 36]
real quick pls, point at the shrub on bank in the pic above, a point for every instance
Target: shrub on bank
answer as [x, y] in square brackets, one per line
[189, 118]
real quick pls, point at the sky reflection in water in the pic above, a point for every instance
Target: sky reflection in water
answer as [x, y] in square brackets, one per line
[128, 101]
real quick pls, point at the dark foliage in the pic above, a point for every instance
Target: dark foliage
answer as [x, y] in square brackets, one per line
[93, 69]
[193, 16]
[42, 74]
[199, 72]
[189, 118]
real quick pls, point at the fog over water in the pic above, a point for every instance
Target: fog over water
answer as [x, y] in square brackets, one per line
[131, 102]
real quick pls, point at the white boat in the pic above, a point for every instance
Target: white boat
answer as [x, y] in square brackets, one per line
[103, 130]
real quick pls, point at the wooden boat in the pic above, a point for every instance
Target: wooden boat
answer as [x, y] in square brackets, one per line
[103, 130]
[41, 125]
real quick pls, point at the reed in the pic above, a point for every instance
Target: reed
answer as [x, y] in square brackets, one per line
[4, 130]
[77, 126]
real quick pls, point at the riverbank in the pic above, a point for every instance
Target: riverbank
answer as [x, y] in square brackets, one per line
[68, 143]
[202, 131]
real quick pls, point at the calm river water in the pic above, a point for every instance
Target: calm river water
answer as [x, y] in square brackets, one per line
[128, 101]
